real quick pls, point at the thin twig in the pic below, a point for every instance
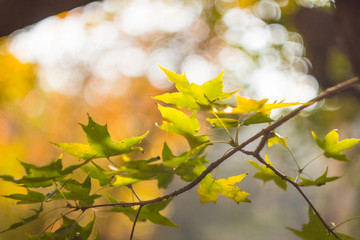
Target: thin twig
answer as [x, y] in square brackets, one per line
[136, 218]
[132, 189]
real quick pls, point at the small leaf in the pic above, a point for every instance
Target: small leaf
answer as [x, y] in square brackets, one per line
[315, 230]
[266, 174]
[187, 165]
[209, 189]
[98, 173]
[275, 139]
[133, 171]
[193, 96]
[258, 117]
[148, 212]
[221, 122]
[30, 198]
[332, 146]
[38, 176]
[76, 191]
[165, 179]
[179, 99]
[179, 123]
[246, 106]
[100, 143]
[151, 213]
[319, 181]
[69, 229]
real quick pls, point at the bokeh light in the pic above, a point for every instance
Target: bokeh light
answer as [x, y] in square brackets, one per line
[94, 48]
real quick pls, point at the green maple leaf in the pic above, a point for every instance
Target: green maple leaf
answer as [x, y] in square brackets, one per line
[179, 123]
[319, 181]
[151, 213]
[133, 171]
[96, 172]
[209, 189]
[193, 96]
[100, 143]
[332, 146]
[223, 122]
[76, 191]
[69, 229]
[187, 165]
[266, 174]
[315, 230]
[258, 117]
[31, 197]
[148, 212]
[43, 176]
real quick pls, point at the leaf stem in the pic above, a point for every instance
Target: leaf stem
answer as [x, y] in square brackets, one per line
[224, 126]
[347, 220]
[311, 161]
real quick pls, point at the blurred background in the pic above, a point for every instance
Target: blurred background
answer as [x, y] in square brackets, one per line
[60, 62]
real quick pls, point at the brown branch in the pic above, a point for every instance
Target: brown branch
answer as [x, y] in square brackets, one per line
[264, 132]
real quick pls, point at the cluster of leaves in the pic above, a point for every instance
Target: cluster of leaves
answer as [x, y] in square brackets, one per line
[55, 182]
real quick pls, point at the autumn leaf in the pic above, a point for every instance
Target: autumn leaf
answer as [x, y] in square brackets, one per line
[179, 123]
[209, 189]
[247, 106]
[100, 143]
[277, 139]
[332, 146]
[266, 174]
[193, 96]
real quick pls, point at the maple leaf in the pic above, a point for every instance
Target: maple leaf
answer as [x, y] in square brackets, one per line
[209, 189]
[100, 143]
[31, 197]
[148, 212]
[223, 122]
[246, 106]
[69, 229]
[275, 139]
[133, 171]
[315, 230]
[332, 146]
[266, 174]
[319, 181]
[179, 123]
[193, 96]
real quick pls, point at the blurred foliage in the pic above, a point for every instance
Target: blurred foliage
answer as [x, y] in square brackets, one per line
[17, 79]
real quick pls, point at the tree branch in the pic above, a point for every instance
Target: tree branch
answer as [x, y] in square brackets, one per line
[263, 133]
[297, 187]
